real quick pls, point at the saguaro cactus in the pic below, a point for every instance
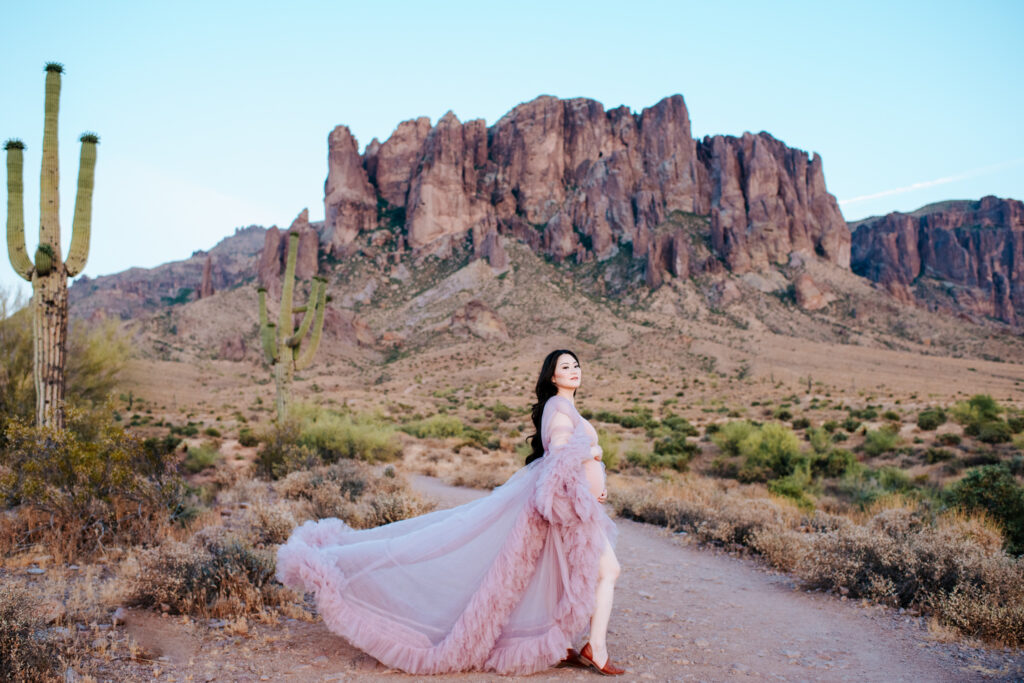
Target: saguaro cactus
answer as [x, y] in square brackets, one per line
[282, 342]
[49, 273]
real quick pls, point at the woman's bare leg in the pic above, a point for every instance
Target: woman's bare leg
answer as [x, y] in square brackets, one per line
[607, 573]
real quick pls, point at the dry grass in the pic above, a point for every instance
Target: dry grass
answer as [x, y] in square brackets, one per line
[27, 653]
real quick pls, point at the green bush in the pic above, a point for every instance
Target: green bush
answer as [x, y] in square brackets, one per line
[819, 439]
[948, 439]
[891, 415]
[609, 443]
[977, 409]
[679, 425]
[212, 431]
[800, 423]
[795, 486]
[731, 434]
[934, 455]
[501, 411]
[879, 441]
[246, 437]
[931, 418]
[782, 414]
[851, 424]
[200, 457]
[435, 427]
[96, 355]
[994, 431]
[281, 453]
[1016, 423]
[835, 464]
[335, 436]
[994, 489]
[772, 449]
[830, 426]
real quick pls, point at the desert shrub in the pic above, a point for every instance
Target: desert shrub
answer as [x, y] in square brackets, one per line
[281, 453]
[335, 437]
[212, 431]
[994, 489]
[994, 431]
[933, 455]
[200, 457]
[836, 463]
[948, 439]
[772, 450]
[215, 574]
[627, 420]
[1016, 423]
[838, 437]
[891, 415]
[866, 413]
[85, 488]
[248, 438]
[610, 444]
[851, 424]
[26, 652]
[795, 486]
[679, 424]
[901, 557]
[976, 410]
[436, 427]
[800, 423]
[353, 492]
[931, 419]
[96, 355]
[830, 426]
[724, 467]
[782, 414]
[879, 441]
[994, 611]
[731, 434]
[500, 411]
[819, 439]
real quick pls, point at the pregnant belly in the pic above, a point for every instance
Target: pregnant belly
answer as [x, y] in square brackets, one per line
[594, 472]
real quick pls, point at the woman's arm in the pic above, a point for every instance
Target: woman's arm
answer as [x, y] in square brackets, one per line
[593, 470]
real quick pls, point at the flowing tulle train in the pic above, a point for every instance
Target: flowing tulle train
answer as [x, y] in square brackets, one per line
[504, 583]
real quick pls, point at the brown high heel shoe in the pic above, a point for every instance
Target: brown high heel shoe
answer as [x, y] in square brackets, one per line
[609, 669]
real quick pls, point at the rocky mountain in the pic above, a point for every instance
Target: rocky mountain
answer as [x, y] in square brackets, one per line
[960, 256]
[576, 182]
[138, 291]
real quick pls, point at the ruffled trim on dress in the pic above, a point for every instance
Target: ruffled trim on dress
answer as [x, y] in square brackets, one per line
[561, 503]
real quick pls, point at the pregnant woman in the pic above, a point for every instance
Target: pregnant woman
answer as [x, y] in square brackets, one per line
[505, 583]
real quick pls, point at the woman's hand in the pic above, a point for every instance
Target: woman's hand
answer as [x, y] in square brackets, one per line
[596, 452]
[603, 497]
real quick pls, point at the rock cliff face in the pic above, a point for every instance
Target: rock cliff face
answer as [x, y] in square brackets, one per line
[137, 291]
[974, 249]
[575, 181]
[274, 256]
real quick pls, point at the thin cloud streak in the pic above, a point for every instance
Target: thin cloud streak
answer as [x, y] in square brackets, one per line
[931, 183]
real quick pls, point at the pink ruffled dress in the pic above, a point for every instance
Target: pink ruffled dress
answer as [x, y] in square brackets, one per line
[504, 583]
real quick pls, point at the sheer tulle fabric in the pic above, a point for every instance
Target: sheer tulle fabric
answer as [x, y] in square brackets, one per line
[505, 583]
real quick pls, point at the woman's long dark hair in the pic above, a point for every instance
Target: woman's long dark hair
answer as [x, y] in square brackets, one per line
[545, 390]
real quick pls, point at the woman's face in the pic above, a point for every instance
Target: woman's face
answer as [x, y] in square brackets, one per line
[567, 373]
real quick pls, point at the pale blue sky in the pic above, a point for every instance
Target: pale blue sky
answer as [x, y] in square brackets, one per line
[215, 115]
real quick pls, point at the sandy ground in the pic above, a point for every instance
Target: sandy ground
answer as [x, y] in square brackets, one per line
[681, 613]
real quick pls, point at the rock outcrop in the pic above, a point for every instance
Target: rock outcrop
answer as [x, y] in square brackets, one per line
[480, 320]
[973, 249]
[577, 182]
[274, 256]
[206, 289]
[138, 291]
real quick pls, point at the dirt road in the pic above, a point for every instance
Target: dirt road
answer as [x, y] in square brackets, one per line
[681, 614]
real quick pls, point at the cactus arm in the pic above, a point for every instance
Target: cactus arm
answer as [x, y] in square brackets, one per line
[267, 336]
[307, 317]
[262, 294]
[79, 252]
[16, 251]
[49, 177]
[303, 361]
[285, 324]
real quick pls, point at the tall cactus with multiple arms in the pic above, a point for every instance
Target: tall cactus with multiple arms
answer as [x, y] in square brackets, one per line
[282, 342]
[49, 272]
